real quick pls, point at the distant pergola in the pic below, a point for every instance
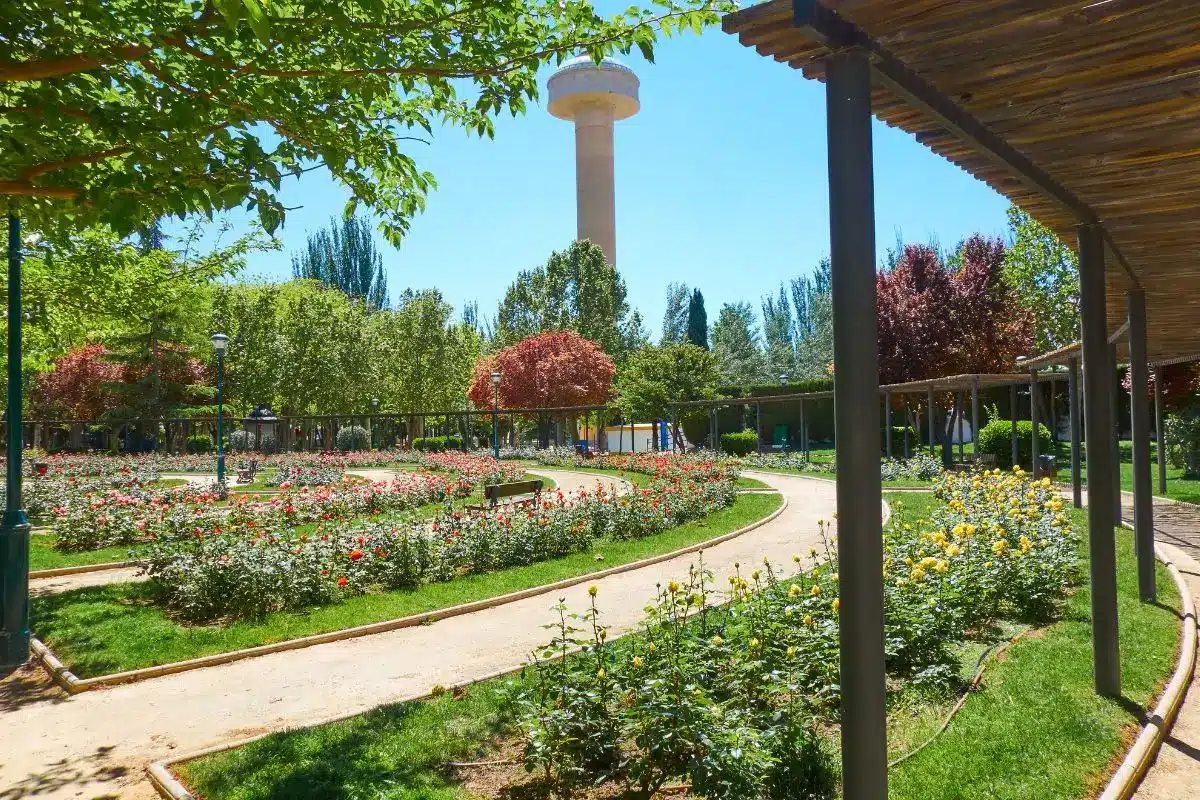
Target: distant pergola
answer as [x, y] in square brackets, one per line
[1083, 113]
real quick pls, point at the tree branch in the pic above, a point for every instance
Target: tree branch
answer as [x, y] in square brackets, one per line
[32, 172]
[23, 189]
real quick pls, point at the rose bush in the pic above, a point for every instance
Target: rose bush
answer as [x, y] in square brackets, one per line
[726, 691]
[192, 570]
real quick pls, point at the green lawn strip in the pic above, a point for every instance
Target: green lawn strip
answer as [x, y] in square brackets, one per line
[1038, 730]
[42, 554]
[105, 629]
[1035, 730]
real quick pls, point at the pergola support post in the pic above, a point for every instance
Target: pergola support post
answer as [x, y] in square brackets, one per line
[1106, 654]
[1139, 412]
[907, 419]
[758, 424]
[930, 422]
[1160, 444]
[803, 430]
[1033, 418]
[1012, 413]
[856, 415]
[975, 418]
[887, 424]
[1114, 383]
[1076, 432]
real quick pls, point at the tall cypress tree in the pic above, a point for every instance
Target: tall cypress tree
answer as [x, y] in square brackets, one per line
[345, 257]
[697, 320]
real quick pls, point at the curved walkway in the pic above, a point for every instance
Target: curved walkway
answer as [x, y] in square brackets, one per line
[98, 743]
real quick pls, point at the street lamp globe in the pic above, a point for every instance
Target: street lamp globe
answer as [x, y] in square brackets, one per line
[375, 403]
[495, 379]
[220, 342]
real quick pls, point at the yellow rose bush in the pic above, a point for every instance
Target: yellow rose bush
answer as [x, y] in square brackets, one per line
[726, 689]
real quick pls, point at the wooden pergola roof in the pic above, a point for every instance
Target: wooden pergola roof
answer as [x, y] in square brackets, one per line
[1101, 98]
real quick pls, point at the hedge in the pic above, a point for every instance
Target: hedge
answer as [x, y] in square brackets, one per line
[995, 439]
[739, 443]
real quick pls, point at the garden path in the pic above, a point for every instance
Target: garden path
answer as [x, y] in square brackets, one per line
[569, 482]
[98, 743]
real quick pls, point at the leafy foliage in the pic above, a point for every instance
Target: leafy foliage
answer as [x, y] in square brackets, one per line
[352, 437]
[995, 439]
[934, 320]
[548, 370]
[1044, 274]
[674, 327]
[77, 386]
[697, 320]
[345, 257]
[127, 111]
[575, 290]
[735, 345]
[657, 376]
[739, 443]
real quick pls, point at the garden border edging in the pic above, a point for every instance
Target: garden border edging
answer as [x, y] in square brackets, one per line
[73, 684]
[79, 569]
[1141, 755]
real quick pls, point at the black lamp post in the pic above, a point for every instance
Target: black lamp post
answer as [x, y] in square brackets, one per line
[14, 534]
[220, 342]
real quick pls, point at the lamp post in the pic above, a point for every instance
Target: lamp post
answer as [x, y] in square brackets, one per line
[374, 414]
[219, 342]
[14, 535]
[496, 415]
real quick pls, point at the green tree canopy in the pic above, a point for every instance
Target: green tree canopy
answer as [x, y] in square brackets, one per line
[344, 256]
[576, 290]
[657, 376]
[735, 346]
[697, 320]
[675, 319]
[1044, 274]
[778, 332]
[124, 111]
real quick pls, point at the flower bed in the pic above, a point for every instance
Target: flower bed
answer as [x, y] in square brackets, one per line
[91, 519]
[207, 576]
[296, 475]
[731, 698]
[920, 467]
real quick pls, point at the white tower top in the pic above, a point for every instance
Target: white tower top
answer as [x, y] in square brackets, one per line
[582, 82]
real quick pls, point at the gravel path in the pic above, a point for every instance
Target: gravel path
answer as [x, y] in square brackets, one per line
[98, 743]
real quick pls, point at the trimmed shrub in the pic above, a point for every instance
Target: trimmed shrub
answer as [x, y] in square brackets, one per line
[199, 443]
[914, 439]
[352, 437]
[739, 443]
[995, 439]
[245, 441]
[240, 441]
[437, 444]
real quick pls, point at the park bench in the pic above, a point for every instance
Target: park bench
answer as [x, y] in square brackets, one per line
[512, 492]
[247, 470]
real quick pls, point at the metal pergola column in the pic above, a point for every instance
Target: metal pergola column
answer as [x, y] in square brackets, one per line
[1033, 418]
[929, 414]
[1106, 654]
[1160, 445]
[1139, 413]
[975, 418]
[887, 423]
[1012, 413]
[1076, 432]
[1115, 391]
[856, 415]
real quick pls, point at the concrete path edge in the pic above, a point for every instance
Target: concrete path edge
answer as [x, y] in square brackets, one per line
[73, 684]
[58, 572]
[1141, 755]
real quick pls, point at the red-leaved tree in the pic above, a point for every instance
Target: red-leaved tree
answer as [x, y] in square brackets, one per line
[77, 387]
[935, 321]
[1180, 384]
[547, 370]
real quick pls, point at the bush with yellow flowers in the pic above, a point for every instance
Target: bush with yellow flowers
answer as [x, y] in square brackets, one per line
[728, 690]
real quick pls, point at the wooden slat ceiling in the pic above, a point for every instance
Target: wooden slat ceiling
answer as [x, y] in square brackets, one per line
[1103, 96]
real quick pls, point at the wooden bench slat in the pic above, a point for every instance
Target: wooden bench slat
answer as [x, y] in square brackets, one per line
[499, 490]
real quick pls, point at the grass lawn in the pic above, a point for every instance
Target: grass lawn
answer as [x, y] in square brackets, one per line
[104, 629]
[1034, 731]
[42, 554]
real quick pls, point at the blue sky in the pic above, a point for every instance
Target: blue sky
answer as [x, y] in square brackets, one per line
[720, 181]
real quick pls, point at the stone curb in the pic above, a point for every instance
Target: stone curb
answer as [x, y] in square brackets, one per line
[1141, 755]
[73, 684]
[77, 570]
